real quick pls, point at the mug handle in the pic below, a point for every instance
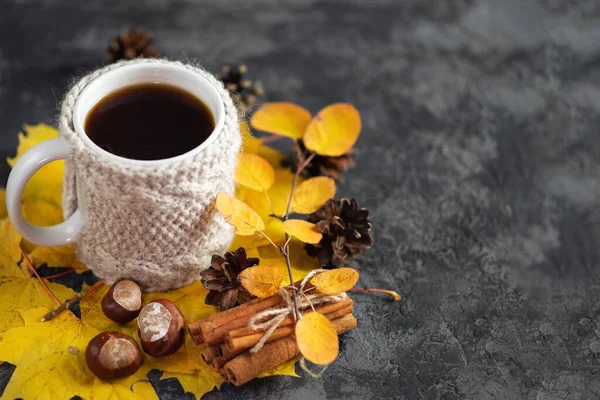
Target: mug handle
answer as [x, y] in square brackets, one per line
[35, 158]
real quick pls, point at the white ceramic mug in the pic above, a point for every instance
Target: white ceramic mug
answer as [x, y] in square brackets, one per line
[159, 208]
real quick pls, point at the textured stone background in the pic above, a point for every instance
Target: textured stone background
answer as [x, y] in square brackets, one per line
[479, 158]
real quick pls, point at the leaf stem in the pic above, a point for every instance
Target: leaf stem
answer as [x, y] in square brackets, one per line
[64, 306]
[270, 202]
[44, 286]
[67, 272]
[285, 251]
[392, 293]
[270, 139]
[299, 170]
[268, 238]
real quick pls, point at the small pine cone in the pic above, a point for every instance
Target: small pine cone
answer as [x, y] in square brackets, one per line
[243, 91]
[221, 279]
[332, 167]
[346, 233]
[130, 44]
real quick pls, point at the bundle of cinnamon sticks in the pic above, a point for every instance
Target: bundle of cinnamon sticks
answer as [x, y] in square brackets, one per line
[229, 340]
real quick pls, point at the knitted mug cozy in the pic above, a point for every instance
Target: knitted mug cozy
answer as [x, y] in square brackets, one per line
[157, 225]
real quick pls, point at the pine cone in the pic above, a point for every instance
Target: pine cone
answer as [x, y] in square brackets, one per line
[130, 44]
[243, 91]
[221, 278]
[332, 167]
[346, 232]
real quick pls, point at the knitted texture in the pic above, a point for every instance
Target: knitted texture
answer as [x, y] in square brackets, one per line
[157, 225]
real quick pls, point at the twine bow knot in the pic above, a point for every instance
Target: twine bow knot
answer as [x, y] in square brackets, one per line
[269, 320]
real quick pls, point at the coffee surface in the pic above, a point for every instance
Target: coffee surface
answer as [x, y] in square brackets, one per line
[149, 122]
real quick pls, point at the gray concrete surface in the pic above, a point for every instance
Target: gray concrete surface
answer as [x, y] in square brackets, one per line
[479, 158]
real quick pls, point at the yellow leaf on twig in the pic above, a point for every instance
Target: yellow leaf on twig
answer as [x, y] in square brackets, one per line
[262, 280]
[335, 281]
[237, 213]
[254, 172]
[285, 119]
[317, 339]
[334, 130]
[302, 230]
[312, 194]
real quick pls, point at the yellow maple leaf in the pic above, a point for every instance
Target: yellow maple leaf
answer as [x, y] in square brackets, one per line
[312, 194]
[3, 212]
[261, 280]
[50, 360]
[334, 130]
[335, 281]
[317, 339]
[46, 184]
[23, 293]
[285, 119]
[254, 172]
[304, 231]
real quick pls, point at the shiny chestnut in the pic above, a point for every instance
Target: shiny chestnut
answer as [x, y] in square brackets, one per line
[161, 328]
[112, 355]
[123, 302]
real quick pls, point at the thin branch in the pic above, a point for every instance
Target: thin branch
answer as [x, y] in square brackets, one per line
[44, 286]
[299, 170]
[270, 139]
[286, 254]
[392, 293]
[268, 238]
[270, 203]
[67, 272]
[64, 306]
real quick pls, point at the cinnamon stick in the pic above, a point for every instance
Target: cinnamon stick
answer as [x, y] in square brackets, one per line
[217, 363]
[210, 353]
[248, 366]
[212, 330]
[323, 309]
[236, 345]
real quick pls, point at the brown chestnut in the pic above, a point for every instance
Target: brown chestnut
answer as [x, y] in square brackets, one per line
[161, 328]
[123, 302]
[112, 355]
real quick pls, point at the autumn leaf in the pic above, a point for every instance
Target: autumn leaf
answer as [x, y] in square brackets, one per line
[22, 293]
[302, 264]
[252, 145]
[9, 241]
[262, 280]
[312, 194]
[285, 119]
[50, 359]
[254, 172]
[3, 212]
[303, 230]
[334, 130]
[317, 339]
[335, 281]
[46, 184]
[238, 214]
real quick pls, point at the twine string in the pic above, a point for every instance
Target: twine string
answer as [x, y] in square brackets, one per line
[269, 320]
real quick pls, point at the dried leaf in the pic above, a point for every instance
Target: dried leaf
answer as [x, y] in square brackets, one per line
[254, 172]
[45, 184]
[46, 369]
[3, 212]
[317, 339]
[237, 213]
[302, 230]
[335, 281]
[312, 194]
[334, 130]
[262, 280]
[285, 119]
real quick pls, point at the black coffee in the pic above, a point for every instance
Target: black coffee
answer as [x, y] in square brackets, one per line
[149, 122]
